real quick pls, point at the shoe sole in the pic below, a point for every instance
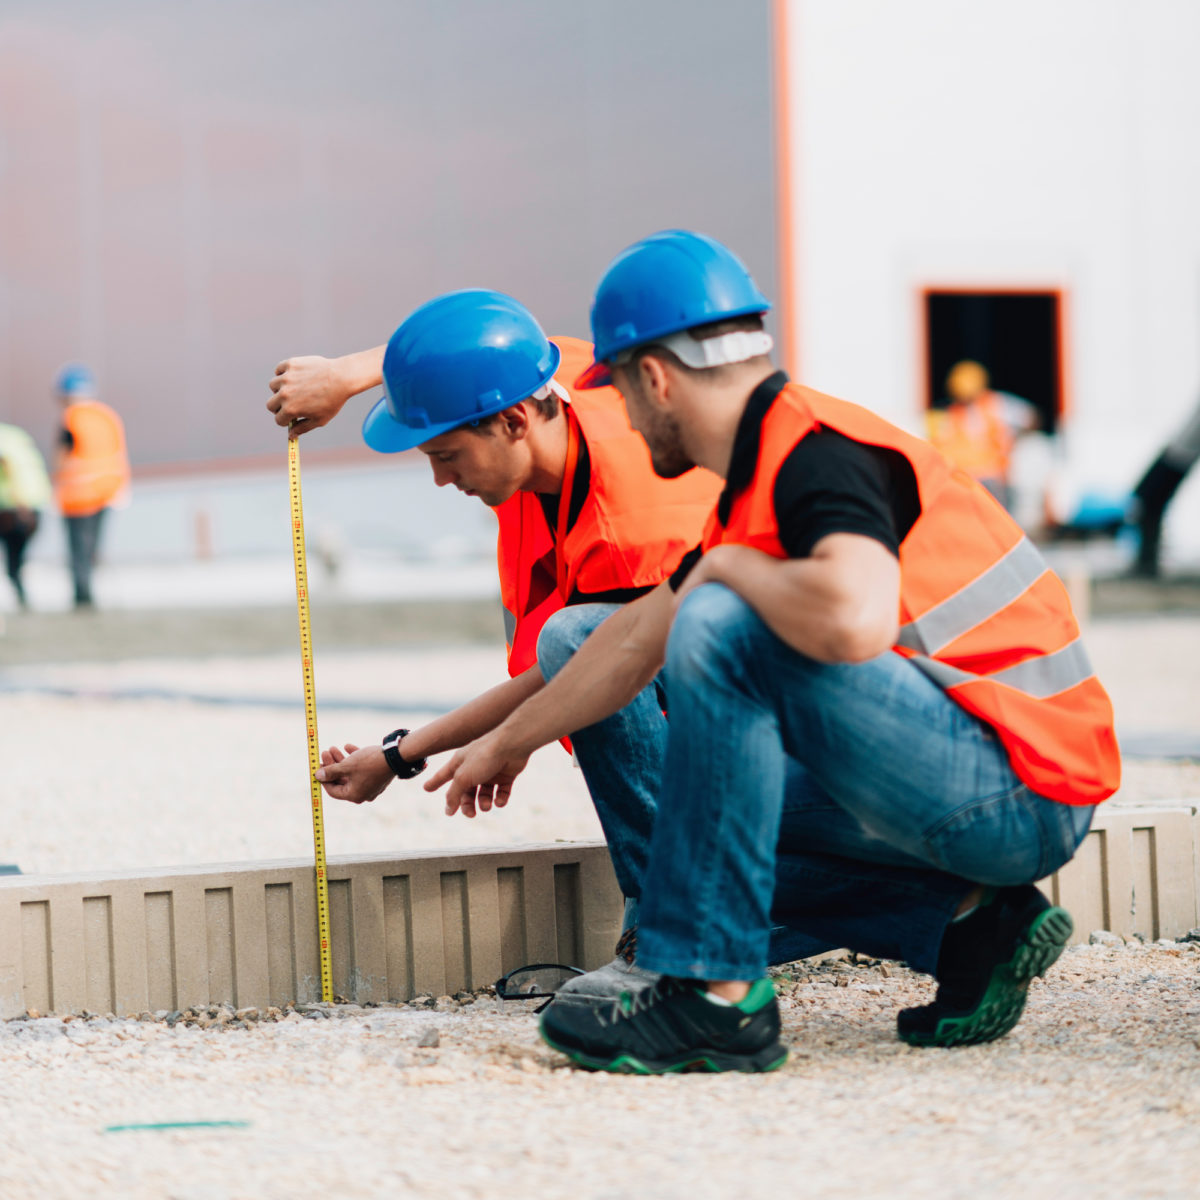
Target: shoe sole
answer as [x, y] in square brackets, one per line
[1003, 1002]
[768, 1059]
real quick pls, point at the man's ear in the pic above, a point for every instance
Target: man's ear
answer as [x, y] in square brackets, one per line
[654, 378]
[514, 422]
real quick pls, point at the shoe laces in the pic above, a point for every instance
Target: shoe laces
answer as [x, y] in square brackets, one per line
[631, 1004]
[627, 945]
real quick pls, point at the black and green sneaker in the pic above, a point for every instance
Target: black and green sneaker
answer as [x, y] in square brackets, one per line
[985, 966]
[671, 1026]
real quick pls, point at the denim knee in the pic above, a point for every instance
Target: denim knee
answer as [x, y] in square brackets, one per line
[565, 631]
[705, 632]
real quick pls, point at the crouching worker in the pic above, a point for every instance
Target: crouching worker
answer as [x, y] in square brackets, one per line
[585, 526]
[856, 607]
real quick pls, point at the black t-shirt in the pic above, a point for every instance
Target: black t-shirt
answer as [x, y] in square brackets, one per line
[829, 483]
[579, 490]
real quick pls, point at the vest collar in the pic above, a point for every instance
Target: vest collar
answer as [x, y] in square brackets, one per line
[744, 460]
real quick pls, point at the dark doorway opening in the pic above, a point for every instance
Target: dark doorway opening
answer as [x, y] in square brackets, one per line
[1017, 336]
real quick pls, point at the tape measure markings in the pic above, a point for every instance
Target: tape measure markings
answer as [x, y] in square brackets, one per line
[300, 557]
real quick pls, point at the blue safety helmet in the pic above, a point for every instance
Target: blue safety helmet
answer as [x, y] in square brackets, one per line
[666, 283]
[75, 380]
[454, 361]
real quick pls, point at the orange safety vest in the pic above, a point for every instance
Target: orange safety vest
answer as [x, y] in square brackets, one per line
[980, 612]
[631, 532]
[96, 469]
[975, 437]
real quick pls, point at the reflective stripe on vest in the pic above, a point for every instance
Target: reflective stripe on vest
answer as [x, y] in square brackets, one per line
[981, 614]
[631, 532]
[1041, 677]
[984, 596]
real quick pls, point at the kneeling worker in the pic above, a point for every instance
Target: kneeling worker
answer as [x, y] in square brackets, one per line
[585, 526]
[861, 609]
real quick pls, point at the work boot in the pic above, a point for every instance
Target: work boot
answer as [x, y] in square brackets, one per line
[605, 984]
[670, 1026]
[986, 964]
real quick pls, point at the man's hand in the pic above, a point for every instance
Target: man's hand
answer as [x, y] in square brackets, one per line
[353, 774]
[711, 567]
[479, 775]
[308, 392]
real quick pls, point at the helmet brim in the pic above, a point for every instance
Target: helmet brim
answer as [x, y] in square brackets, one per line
[387, 436]
[597, 375]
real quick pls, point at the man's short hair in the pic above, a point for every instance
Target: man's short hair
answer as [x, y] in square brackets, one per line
[547, 407]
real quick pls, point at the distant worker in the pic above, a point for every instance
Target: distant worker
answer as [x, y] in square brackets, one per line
[1156, 489]
[585, 525]
[92, 471]
[979, 427]
[24, 493]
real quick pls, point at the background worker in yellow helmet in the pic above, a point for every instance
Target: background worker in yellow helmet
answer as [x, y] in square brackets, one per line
[979, 427]
[24, 493]
[92, 471]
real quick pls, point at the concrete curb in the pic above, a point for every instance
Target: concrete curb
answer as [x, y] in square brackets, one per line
[245, 934]
[1136, 873]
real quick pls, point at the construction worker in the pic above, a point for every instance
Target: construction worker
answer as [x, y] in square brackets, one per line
[585, 525]
[979, 427]
[856, 607]
[24, 494]
[92, 471]
[1156, 489]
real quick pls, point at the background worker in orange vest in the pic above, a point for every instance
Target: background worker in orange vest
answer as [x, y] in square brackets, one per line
[92, 471]
[979, 427]
[855, 607]
[585, 525]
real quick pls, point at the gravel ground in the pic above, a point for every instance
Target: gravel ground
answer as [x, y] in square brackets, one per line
[1096, 1093]
[157, 741]
[155, 759]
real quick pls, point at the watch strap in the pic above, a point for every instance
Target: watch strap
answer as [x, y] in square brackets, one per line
[401, 768]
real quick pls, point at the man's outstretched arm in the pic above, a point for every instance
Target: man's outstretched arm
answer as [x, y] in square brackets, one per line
[359, 775]
[310, 390]
[619, 659]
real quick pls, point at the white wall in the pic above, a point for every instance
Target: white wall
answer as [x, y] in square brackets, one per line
[1030, 142]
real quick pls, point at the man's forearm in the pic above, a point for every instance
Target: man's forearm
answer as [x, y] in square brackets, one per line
[362, 370]
[619, 659]
[839, 605]
[473, 719]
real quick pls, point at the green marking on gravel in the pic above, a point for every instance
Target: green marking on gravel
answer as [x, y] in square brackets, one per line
[160, 1125]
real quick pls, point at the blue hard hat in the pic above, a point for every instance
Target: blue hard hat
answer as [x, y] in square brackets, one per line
[75, 379]
[456, 360]
[666, 283]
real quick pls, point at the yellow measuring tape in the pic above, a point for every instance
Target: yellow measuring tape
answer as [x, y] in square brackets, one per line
[310, 713]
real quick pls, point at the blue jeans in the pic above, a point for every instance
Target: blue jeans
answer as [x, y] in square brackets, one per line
[854, 804]
[621, 757]
[622, 760]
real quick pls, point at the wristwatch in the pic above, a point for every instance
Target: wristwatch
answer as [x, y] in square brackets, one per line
[391, 752]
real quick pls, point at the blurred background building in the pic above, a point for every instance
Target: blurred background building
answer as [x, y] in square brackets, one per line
[190, 193]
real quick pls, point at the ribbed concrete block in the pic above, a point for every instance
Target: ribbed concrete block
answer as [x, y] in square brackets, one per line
[245, 934]
[1135, 873]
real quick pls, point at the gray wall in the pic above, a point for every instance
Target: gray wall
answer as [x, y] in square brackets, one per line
[189, 193]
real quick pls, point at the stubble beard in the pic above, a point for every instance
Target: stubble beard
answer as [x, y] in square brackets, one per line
[667, 454]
